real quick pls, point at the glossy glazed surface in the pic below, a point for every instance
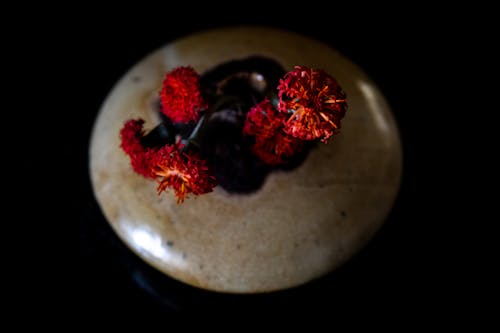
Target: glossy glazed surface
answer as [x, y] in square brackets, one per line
[299, 225]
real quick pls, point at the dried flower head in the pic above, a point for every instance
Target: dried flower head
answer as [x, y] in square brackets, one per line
[180, 96]
[140, 156]
[272, 145]
[184, 173]
[313, 102]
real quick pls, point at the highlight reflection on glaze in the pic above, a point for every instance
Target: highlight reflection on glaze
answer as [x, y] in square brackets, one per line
[152, 245]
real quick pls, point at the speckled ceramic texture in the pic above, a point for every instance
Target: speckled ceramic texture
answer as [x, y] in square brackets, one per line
[300, 225]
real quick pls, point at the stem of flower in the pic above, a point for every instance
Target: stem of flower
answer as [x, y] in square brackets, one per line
[193, 135]
[202, 122]
[273, 98]
[160, 135]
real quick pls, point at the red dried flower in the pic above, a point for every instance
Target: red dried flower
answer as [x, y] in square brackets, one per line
[263, 120]
[184, 173]
[180, 96]
[272, 145]
[140, 156]
[314, 102]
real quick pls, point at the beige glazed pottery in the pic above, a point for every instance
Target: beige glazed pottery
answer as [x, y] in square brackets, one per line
[299, 225]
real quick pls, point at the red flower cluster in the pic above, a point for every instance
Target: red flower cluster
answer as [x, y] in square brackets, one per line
[182, 172]
[314, 103]
[180, 96]
[272, 145]
[310, 106]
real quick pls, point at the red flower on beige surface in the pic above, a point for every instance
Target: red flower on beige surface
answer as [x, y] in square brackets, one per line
[140, 156]
[313, 102]
[184, 173]
[180, 96]
[272, 145]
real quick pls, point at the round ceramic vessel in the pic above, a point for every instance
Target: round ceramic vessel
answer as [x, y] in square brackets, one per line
[299, 225]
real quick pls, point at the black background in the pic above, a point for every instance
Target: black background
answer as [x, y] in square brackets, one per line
[403, 271]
